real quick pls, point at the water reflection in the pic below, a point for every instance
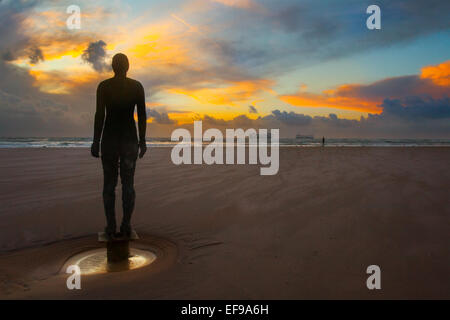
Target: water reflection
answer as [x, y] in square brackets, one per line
[95, 261]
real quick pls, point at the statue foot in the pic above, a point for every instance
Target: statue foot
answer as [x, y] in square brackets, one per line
[110, 232]
[125, 231]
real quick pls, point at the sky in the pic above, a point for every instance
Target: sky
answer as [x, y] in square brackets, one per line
[305, 66]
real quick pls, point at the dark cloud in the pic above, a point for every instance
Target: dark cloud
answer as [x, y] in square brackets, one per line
[95, 55]
[20, 40]
[234, 51]
[252, 109]
[333, 121]
[311, 22]
[411, 117]
[36, 55]
[407, 113]
[7, 56]
[242, 121]
[12, 16]
[290, 118]
[416, 108]
[430, 83]
[160, 117]
[22, 116]
[213, 122]
[36, 114]
[402, 86]
[318, 31]
[401, 19]
[26, 111]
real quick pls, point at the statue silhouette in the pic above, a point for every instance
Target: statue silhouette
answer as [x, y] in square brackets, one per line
[118, 96]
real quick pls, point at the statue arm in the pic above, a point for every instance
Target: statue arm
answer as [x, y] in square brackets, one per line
[141, 113]
[99, 115]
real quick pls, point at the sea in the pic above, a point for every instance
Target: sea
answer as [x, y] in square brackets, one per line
[70, 142]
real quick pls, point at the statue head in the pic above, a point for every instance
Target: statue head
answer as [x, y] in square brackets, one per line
[120, 64]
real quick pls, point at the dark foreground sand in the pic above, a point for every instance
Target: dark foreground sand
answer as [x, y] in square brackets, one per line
[227, 232]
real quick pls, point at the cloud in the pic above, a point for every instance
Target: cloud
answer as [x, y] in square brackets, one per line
[95, 54]
[319, 31]
[160, 117]
[234, 92]
[7, 56]
[410, 117]
[13, 14]
[433, 81]
[31, 28]
[416, 108]
[289, 118]
[26, 111]
[331, 99]
[226, 63]
[186, 59]
[36, 55]
[439, 74]
[252, 109]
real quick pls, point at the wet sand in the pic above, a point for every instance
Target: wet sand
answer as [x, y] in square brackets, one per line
[225, 232]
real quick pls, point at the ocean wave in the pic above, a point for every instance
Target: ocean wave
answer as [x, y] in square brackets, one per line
[83, 142]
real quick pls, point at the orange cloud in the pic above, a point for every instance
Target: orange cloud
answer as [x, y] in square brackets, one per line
[47, 31]
[165, 46]
[340, 98]
[182, 117]
[57, 50]
[368, 97]
[55, 82]
[234, 92]
[439, 74]
[153, 104]
[171, 47]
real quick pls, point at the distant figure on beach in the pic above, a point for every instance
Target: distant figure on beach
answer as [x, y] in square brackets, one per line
[119, 142]
[323, 141]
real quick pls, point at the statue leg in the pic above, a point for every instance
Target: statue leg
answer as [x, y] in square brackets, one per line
[127, 169]
[110, 176]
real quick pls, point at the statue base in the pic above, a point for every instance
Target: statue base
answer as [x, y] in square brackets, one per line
[118, 248]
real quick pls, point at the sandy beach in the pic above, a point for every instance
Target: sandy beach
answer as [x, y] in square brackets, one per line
[225, 232]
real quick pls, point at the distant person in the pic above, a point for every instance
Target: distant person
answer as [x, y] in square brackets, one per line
[323, 141]
[119, 142]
